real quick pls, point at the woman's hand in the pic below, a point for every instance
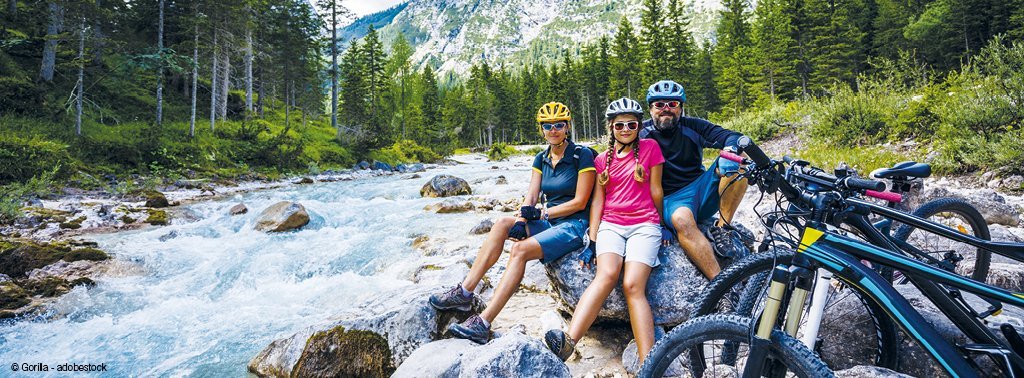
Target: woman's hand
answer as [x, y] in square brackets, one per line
[518, 231]
[588, 255]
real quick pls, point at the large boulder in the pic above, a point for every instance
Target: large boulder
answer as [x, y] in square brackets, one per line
[402, 320]
[994, 208]
[382, 166]
[155, 199]
[672, 289]
[282, 216]
[511, 355]
[445, 186]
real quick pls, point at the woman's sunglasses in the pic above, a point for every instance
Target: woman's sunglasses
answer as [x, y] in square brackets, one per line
[664, 104]
[556, 126]
[632, 125]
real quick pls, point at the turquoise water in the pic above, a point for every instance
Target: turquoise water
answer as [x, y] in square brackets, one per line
[206, 302]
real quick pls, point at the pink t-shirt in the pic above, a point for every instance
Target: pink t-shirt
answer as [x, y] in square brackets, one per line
[626, 201]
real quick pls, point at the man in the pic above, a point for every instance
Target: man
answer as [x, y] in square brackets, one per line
[693, 194]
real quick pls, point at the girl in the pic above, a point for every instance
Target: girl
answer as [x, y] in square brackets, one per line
[625, 222]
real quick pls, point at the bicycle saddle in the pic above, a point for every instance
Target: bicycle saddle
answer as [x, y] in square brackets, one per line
[903, 170]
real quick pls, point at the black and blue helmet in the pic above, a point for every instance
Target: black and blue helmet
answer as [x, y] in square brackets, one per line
[666, 90]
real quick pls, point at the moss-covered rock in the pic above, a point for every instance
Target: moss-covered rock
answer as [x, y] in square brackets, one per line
[157, 217]
[4, 314]
[155, 199]
[47, 287]
[91, 254]
[340, 353]
[127, 219]
[12, 296]
[18, 257]
[82, 281]
[73, 224]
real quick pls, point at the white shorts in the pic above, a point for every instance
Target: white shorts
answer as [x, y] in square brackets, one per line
[639, 243]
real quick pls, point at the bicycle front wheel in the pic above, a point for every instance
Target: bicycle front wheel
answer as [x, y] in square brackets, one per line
[725, 342]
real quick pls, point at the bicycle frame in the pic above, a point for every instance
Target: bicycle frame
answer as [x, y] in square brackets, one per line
[842, 256]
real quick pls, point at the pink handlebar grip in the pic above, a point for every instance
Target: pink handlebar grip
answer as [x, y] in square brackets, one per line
[887, 196]
[731, 156]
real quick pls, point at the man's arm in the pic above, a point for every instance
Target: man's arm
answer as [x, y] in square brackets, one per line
[715, 136]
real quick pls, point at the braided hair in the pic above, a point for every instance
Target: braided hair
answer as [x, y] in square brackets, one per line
[638, 172]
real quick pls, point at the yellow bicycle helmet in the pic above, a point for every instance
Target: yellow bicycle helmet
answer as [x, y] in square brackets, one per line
[553, 112]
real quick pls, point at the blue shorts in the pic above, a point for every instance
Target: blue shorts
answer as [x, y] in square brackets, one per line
[557, 240]
[701, 196]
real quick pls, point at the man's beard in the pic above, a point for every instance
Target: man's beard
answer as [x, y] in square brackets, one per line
[666, 123]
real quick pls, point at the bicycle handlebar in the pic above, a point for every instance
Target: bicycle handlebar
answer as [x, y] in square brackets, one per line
[731, 156]
[887, 196]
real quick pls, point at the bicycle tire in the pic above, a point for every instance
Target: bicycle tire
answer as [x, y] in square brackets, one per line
[959, 206]
[733, 328]
[753, 272]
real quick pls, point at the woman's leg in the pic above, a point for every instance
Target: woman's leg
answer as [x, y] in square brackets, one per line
[634, 285]
[608, 267]
[522, 252]
[489, 252]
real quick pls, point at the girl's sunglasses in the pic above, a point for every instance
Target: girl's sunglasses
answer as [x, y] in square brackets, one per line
[556, 126]
[632, 125]
[664, 104]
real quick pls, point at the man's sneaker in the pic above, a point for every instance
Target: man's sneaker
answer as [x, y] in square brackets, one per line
[472, 329]
[452, 300]
[721, 241]
[560, 343]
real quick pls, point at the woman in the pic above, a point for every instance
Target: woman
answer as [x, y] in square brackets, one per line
[564, 174]
[625, 222]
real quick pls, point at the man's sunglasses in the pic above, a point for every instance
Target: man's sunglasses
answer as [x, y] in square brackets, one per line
[664, 104]
[632, 125]
[556, 126]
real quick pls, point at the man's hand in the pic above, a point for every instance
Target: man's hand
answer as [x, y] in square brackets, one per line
[518, 231]
[588, 255]
[732, 149]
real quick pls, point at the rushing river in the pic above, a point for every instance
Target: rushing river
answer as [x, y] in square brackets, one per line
[207, 301]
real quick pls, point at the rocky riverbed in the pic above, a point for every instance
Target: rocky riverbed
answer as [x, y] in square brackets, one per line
[430, 244]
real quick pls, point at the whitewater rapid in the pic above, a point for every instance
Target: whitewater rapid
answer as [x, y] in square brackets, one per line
[205, 302]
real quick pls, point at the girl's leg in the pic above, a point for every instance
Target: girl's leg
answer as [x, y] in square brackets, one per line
[608, 267]
[522, 252]
[634, 285]
[489, 252]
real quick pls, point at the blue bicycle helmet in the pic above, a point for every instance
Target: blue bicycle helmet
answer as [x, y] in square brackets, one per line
[666, 90]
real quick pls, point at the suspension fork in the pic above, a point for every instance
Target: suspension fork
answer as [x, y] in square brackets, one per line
[822, 281]
[760, 345]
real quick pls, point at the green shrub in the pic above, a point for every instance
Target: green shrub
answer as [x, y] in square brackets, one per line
[404, 151]
[500, 151]
[849, 118]
[22, 159]
[760, 125]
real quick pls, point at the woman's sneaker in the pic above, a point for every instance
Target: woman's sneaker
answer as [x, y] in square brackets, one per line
[560, 343]
[452, 300]
[472, 329]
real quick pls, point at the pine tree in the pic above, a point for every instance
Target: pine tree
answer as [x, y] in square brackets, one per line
[682, 50]
[733, 60]
[374, 60]
[625, 75]
[707, 84]
[775, 51]
[835, 43]
[430, 107]
[653, 47]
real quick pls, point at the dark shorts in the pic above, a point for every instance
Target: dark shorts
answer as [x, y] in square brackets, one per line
[559, 239]
[701, 196]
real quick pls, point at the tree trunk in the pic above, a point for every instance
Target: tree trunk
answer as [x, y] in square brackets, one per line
[195, 81]
[259, 101]
[248, 69]
[287, 105]
[225, 78]
[12, 7]
[160, 70]
[334, 68]
[50, 47]
[213, 83]
[81, 77]
[97, 35]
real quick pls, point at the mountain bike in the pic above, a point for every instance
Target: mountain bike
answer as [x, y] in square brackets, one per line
[829, 307]
[822, 246]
